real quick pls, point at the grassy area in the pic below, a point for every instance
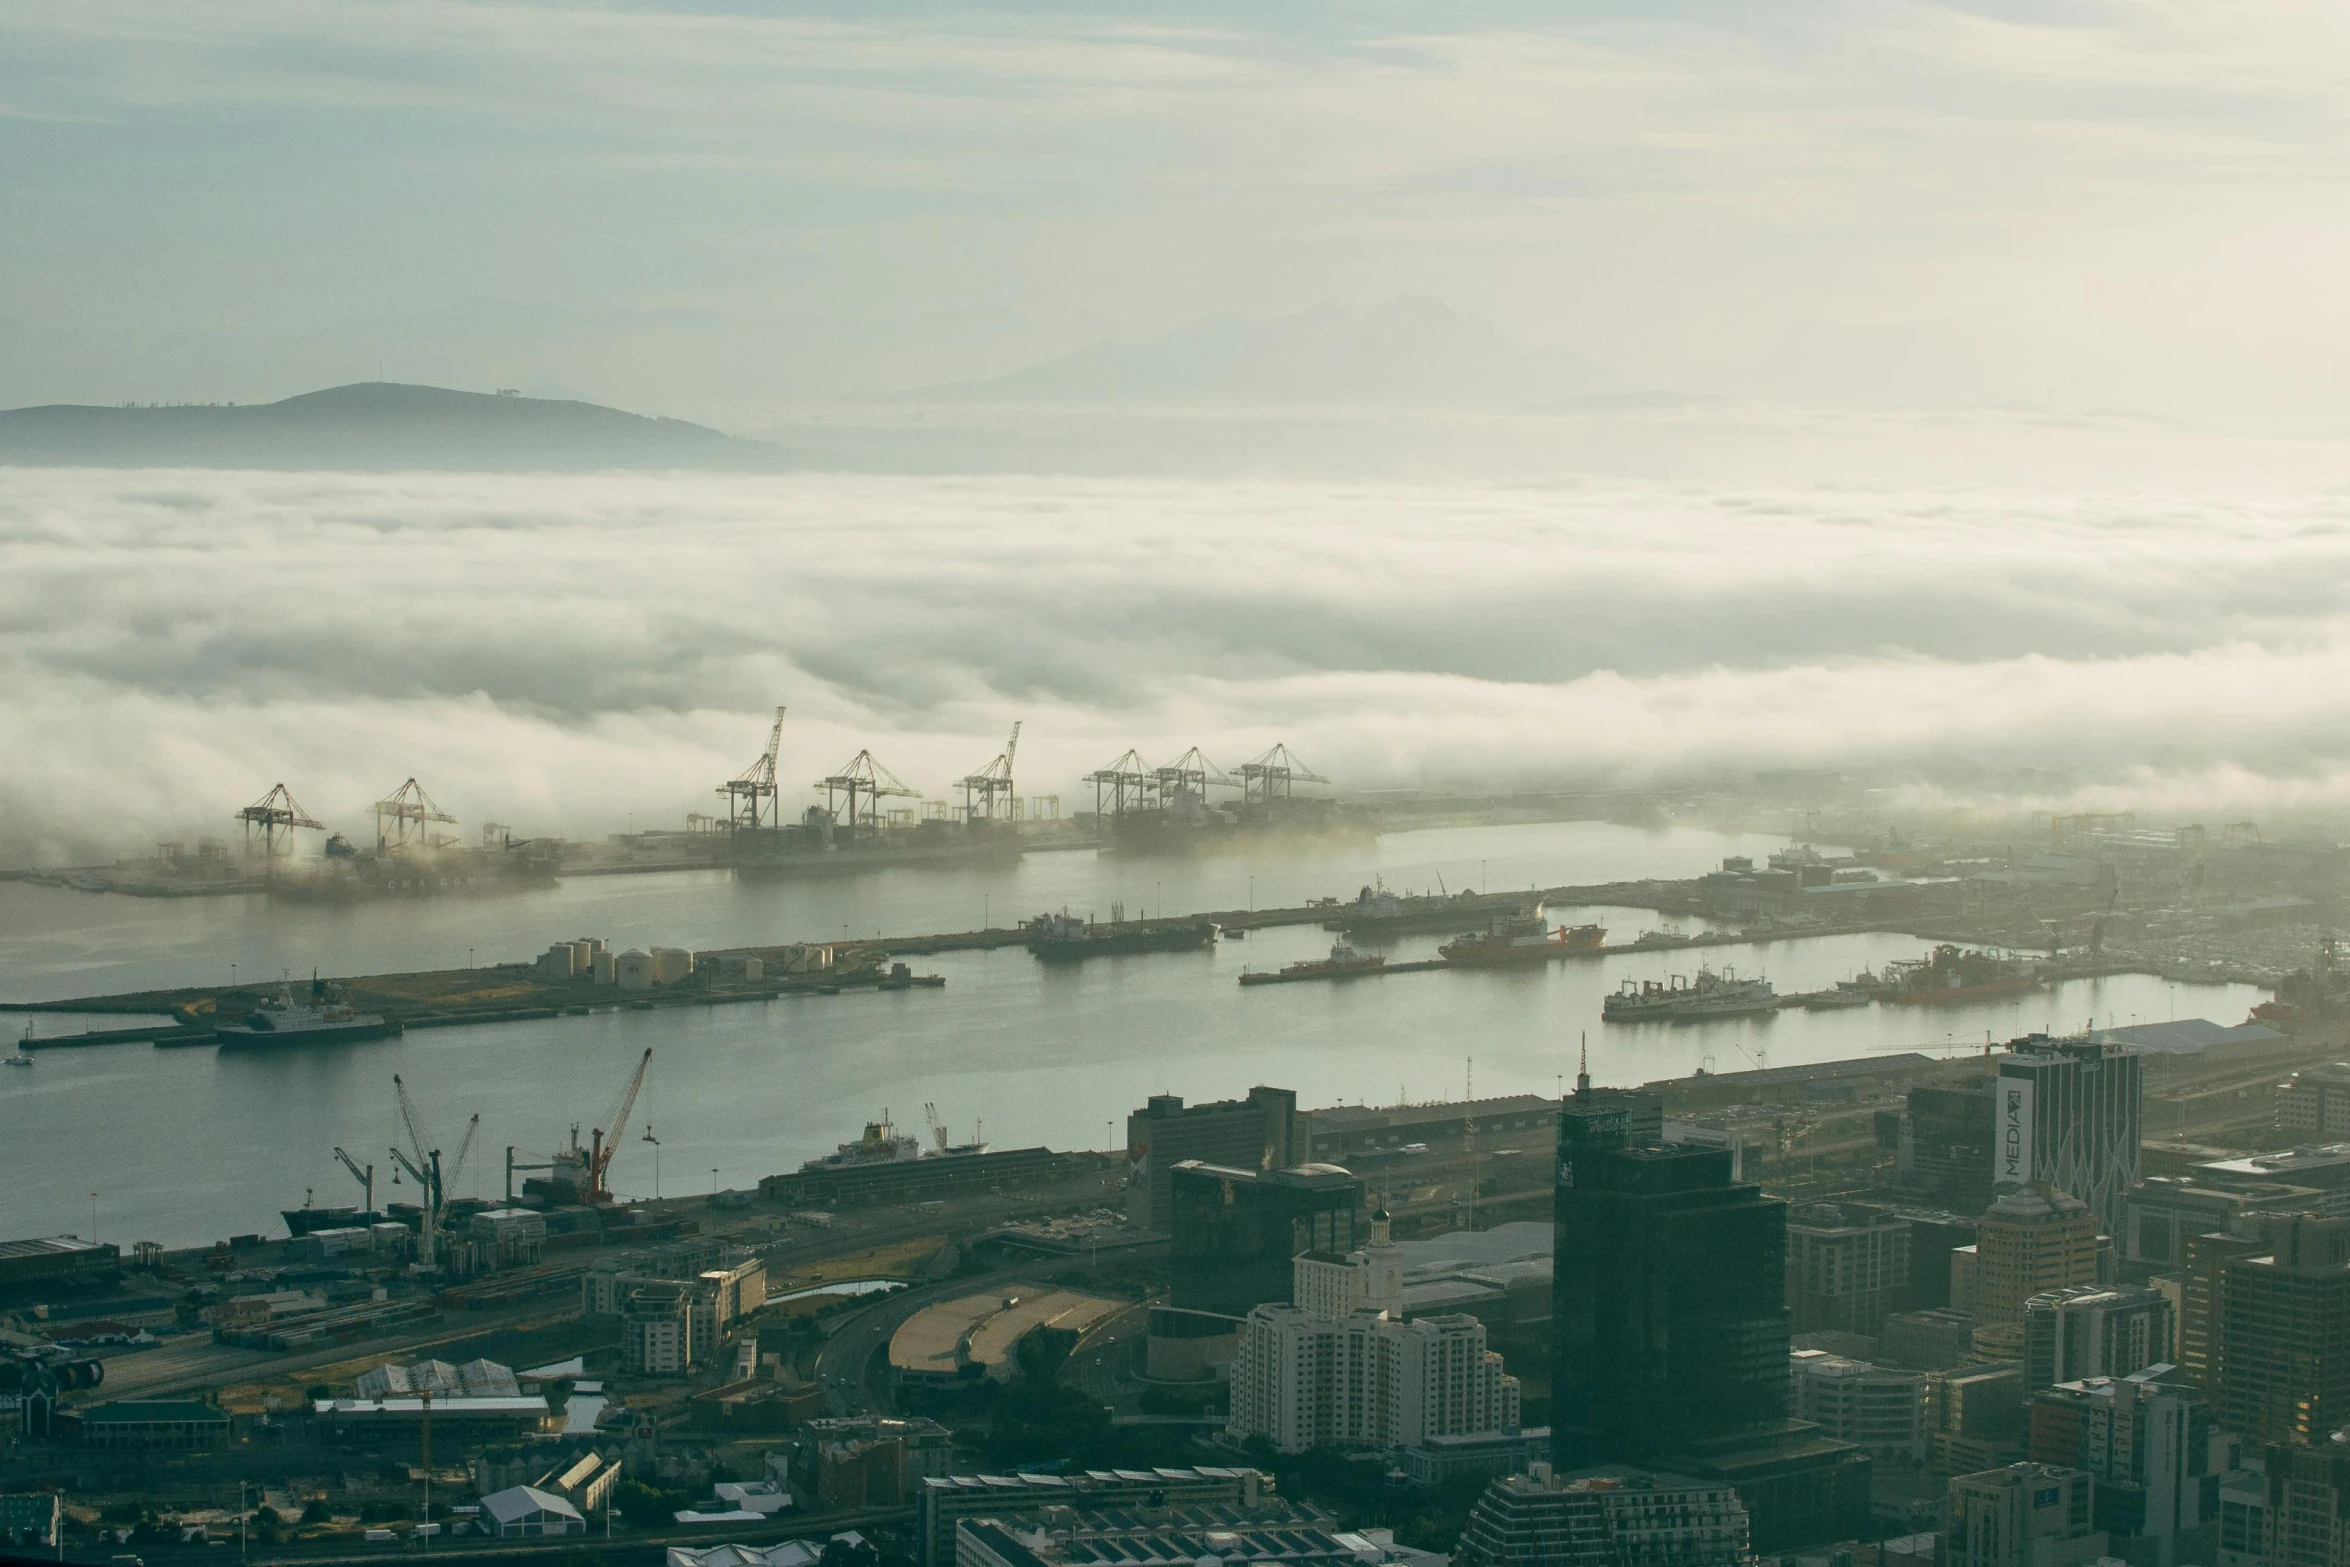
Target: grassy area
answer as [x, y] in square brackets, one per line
[897, 1260]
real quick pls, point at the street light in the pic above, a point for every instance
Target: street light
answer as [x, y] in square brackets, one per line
[656, 1142]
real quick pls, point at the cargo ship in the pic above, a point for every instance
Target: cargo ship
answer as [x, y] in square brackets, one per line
[1950, 975]
[1525, 938]
[282, 1023]
[1377, 913]
[302, 1221]
[1344, 962]
[818, 847]
[1057, 938]
[1682, 1000]
[883, 1143]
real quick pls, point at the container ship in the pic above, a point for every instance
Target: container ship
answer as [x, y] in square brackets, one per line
[1525, 938]
[1344, 962]
[1057, 938]
[1951, 975]
[1681, 1000]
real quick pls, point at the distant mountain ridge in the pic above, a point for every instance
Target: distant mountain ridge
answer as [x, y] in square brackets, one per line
[371, 425]
[1407, 352]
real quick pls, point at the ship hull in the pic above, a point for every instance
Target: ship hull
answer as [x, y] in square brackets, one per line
[238, 1038]
[1076, 949]
[1959, 995]
[1504, 954]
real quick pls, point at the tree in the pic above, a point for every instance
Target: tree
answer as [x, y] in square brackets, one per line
[318, 1392]
[644, 1506]
[317, 1511]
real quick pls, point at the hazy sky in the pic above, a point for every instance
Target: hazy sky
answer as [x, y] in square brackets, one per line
[2072, 205]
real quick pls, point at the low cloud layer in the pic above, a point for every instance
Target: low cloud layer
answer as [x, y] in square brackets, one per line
[582, 654]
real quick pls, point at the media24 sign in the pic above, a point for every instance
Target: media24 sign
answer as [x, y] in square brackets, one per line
[2011, 1155]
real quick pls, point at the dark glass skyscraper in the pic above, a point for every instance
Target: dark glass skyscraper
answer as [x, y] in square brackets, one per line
[1235, 1231]
[1669, 1297]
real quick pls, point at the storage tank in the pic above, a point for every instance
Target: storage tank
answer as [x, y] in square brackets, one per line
[633, 970]
[607, 968]
[671, 964]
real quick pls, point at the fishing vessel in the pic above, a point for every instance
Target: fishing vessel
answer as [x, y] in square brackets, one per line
[283, 1023]
[1525, 938]
[1057, 938]
[1680, 999]
[1950, 975]
[1344, 962]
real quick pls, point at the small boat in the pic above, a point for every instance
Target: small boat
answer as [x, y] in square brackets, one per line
[21, 1057]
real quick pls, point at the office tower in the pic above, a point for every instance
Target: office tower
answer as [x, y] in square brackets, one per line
[1234, 1231]
[1668, 1297]
[2087, 1331]
[2033, 1239]
[2146, 1440]
[2203, 1290]
[1337, 1370]
[1976, 1417]
[1847, 1268]
[1944, 1148]
[1261, 1132]
[2306, 1519]
[2067, 1113]
[2284, 1336]
[1608, 1517]
[2023, 1515]
[1880, 1410]
[2317, 1104]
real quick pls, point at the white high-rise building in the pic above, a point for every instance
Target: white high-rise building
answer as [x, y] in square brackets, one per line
[2068, 1112]
[1340, 1368]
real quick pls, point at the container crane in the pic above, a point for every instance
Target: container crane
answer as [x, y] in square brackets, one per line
[1266, 778]
[405, 808]
[984, 789]
[1128, 782]
[1188, 776]
[862, 775]
[277, 814]
[755, 784]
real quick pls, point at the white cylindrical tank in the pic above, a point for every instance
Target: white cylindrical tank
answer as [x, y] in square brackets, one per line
[671, 964]
[633, 970]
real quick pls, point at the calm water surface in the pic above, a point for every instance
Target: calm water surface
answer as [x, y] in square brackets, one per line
[185, 1146]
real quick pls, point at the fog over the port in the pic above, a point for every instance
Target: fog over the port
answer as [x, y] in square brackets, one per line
[581, 654]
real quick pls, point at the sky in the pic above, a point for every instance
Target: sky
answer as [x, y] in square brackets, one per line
[2074, 205]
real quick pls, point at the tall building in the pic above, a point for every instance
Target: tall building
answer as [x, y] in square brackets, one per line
[2203, 1291]
[1308, 1376]
[2146, 1441]
[2023, 1515]
[1262, 1132]
[1235, 1230]
[657, 1330]
[1944, 1152]
[2034, 1239]
[2317, 1104]
[2306, 1519]
[2085, 1331]
[1670, 1321]
[1976, 1417]
[1668, 1297]
[1606, 1517]
[1847, 1268]
[2067, 1112]
[2284, 1336]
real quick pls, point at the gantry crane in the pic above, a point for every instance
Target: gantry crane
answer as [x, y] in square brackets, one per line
[277, 815]
[988, 794]
[1189, 775]
[1122, 787]
[1266, 778]
[751, 797]
[862, 776]
[405, 808]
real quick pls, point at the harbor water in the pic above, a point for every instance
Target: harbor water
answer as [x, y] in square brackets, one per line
[185, 1146]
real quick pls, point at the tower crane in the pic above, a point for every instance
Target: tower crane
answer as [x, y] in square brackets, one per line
[862, 775]
[365, 1178]
[984, 789]
[405, 807]
[756, 783]
[277, 814]
[1266, 778]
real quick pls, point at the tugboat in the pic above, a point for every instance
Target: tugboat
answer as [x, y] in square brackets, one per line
[1521, 939]
[1950, 975]
[1344, 962]
[1056, 938]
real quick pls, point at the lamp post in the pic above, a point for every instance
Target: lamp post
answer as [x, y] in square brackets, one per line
[656, 1142]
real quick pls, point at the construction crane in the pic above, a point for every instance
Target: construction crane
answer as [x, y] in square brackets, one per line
[277, 815]
[1121, 787]
[365, 1178]
[1266, 778]
[409, 808]
[755, 784]
[987, 793]
[1188, 776]
[600, 1151]
[862, 776]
